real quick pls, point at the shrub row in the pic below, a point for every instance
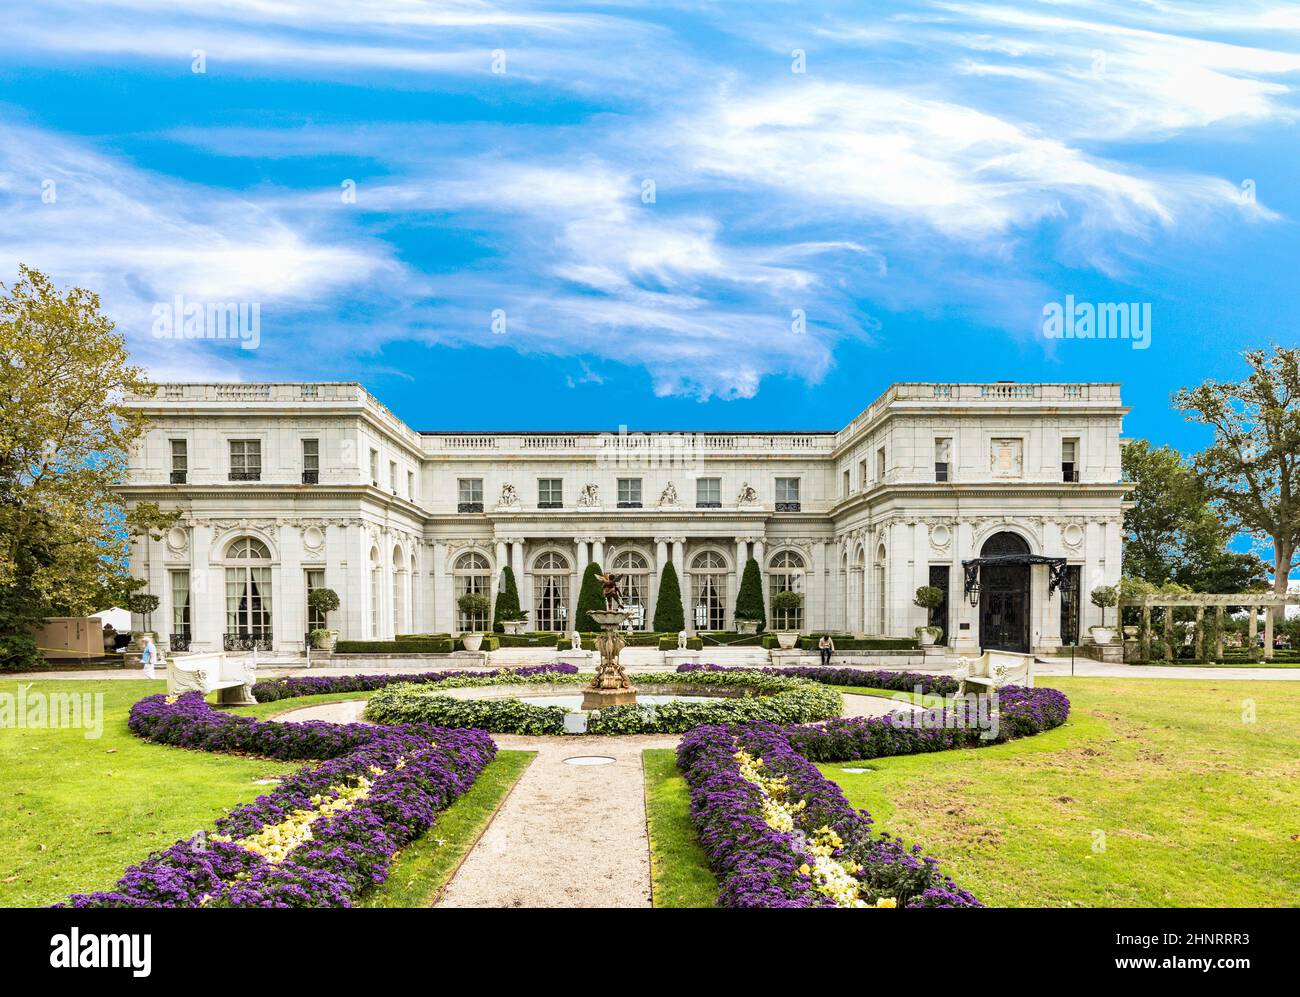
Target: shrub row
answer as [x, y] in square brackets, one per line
[942, 685]
[1020, 713]
[393, 780]
[271, 690]
[412, 645]
[802, 846]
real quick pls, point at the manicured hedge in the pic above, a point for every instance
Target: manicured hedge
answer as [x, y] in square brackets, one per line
[337, 824]
[670, 643]
[942, 685]
[780, 834]
[847, 642]
[400, 704]
[412, 645]
[271, 690]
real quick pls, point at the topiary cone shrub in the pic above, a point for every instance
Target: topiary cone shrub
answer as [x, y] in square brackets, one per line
[749, 600]
[589, 598]
[507, 601]
[669, 617]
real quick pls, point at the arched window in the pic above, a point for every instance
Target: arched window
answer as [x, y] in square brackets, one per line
[786, 574]
[248, 595]
[551, 588]
[709, 591]
[472, 576]
[635, 571]
[882, 622]
[399, 591]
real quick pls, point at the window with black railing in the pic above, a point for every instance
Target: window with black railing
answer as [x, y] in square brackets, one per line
[178, 477]
[550, 493]
[311, 462]
[245, 460]
[469, 495]
[180, 461]
[708, 493]
[311, 477]
[787, 495]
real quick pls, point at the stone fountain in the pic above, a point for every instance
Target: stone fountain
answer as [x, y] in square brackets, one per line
[611, 685]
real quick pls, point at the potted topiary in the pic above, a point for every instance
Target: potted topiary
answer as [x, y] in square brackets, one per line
[473, 604]
[929, 598]
[786, 603]
[322, 602]
[1103, 597]
[749, 614]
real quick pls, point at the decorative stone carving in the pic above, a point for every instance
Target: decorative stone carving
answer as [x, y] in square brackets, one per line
[940, 537]
[509, 497]
[589, 497]
[1072, 536]
[747, 496]
[668, 498]
[178, 540]
[313, 539]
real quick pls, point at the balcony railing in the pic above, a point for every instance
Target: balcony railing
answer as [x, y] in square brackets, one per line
[178, 477]
[550, 505]
[469, 506]
[311, 477]
[708, 505]
[246, 475]
[629, 505]
[179, 643]
[246, 642]
[787, 507]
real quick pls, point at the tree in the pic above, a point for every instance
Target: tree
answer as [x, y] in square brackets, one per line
[143, 604]
[1103, 597]
[65, 436]
[1173, 531]
[507, 609]
[590, 597]
[749, 600]
[668, 605]
[323, 601]
[1252, 469]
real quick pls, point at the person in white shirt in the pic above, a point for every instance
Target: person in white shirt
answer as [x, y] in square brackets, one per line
[148, 657]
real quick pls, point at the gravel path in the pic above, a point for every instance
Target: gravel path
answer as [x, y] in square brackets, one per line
[567, 835]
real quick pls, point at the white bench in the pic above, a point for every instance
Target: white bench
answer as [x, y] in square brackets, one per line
[994, 669]
[231, 676]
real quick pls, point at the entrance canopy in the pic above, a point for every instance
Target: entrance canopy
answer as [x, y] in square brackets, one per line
[971, 570]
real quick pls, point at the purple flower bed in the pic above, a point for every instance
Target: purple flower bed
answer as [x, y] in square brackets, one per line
[1021, 713]
[762, 867]
[271, 690]
[942, 685]
[348, 852]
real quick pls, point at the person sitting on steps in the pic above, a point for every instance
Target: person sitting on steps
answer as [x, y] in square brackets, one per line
[827, 647]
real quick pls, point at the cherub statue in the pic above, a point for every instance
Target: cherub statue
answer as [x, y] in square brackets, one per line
[589, 496]
[609, 589]
[509, 497]
[669, 495]
[747, 496]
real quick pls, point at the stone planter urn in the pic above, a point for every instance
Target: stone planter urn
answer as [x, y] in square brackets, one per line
[1101, 636]
[472, 642]
[747, 627]
[326, 643]
[925, 637]
[513, 626]
[787, 639]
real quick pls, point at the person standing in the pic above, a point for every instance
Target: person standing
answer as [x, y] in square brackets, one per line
[148, 657]
[827, 647]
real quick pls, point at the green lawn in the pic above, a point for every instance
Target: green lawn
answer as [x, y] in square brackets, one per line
[75, 812]
[1156, 793]
[679, 874]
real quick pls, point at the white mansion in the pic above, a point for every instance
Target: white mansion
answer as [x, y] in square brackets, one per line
[1005, 495]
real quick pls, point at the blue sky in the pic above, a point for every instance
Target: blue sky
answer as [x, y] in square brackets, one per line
[933, 176]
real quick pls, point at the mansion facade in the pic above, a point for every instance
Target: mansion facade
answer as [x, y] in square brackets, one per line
[1007, 496]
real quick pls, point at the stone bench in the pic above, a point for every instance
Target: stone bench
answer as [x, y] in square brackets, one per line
[994, 669]
[231, 676]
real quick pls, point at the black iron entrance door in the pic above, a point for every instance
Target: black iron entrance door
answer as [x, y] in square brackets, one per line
[1004, 607]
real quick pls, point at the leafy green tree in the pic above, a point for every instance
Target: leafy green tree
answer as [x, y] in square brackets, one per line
[749, 600]
[589, 598]
[1173, 530]
[1252, 469]
[669, 617]
[65, 435]
[507, 608]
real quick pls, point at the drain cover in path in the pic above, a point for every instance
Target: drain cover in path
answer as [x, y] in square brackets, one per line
[589, 760]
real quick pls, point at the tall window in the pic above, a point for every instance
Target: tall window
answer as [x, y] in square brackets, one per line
[392, 476]
[311, 462]
[940, 578]
[635, 570]
[374, 468]
[708, 493]
[410, 485]
[472, 577]
[943, 458]
[787, 494]
[1070, 592]
[862, 475]
[248, 594]
[469, 495]
[315, 579]
[551, 585]
[180, 461]
[550, 493]
[846, 489]
[180, 587]
[709, 591]
[245, 460]
[1069, 460]
[399, 592]
[629, 493]
[880, 466]
[786, 575]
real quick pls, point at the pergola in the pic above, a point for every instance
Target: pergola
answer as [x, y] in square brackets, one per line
[1252, 602]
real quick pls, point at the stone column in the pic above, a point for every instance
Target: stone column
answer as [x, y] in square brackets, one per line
[661, 558]
[1146, 632]
[679, 563]
[442, 616]
[742, 555]
[1169, 632]
[1253, 631]
[1218, 633]
[207, 593]
[1200, 633]
[817, 591]
[762, 572]
[598, 552]
[580, 547]
[291, 627]
[1268, 633]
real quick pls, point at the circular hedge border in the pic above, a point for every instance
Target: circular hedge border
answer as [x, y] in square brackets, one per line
[771, 698]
